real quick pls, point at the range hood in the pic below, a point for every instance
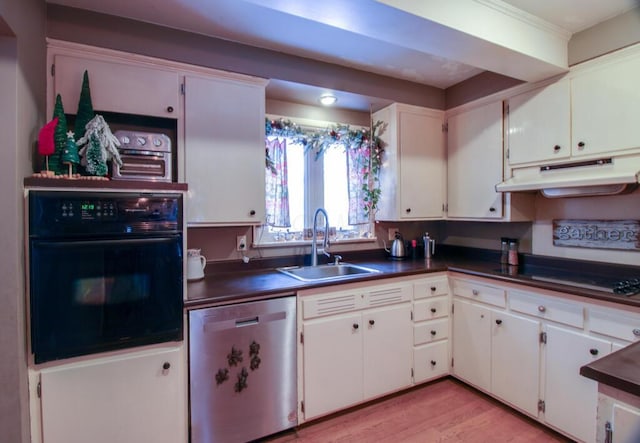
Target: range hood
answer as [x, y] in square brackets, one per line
[603, 176]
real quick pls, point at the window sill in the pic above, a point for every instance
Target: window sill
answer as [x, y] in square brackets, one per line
[294, 243]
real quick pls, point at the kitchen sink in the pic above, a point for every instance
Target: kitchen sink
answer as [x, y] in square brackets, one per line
[326, 272]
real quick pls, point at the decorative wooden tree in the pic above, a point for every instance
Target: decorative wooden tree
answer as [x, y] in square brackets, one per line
[60, 137]
[95, 158]
[70, 155]
[85, 107]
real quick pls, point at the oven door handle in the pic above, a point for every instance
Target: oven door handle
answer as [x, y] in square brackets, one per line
[106, 242]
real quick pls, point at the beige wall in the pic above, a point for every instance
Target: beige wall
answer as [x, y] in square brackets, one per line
[22, 87]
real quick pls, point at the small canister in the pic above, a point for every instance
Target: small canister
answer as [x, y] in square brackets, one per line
[513, 252]
[504, 250]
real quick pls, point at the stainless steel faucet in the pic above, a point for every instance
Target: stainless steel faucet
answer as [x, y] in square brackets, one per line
[314, 246]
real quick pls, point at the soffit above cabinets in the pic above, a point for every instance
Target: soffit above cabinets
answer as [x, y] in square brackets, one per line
[430, 42]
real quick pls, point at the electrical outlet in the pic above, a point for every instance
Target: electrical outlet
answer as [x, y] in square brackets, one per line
[241, 243]
[392, 233]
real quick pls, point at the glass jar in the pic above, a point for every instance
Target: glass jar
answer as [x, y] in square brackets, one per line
[513, 252]
[504, 250]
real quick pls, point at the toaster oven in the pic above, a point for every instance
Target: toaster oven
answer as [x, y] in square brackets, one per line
[145, 156]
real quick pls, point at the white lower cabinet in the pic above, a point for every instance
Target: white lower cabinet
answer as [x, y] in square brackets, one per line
[515, 360]
[570, 399]
[130, 398]
[472, 343]
[356, 344]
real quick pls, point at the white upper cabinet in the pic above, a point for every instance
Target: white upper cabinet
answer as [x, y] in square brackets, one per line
[412, 177]
[605, 108]
[224, 150]
[538, 125]
[124, 86]
[475, 161]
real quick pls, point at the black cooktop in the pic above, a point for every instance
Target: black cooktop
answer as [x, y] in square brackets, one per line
[624, 286]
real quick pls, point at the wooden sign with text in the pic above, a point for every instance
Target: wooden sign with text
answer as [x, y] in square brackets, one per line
[603, 234]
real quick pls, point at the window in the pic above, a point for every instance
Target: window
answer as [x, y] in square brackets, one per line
[301, 179]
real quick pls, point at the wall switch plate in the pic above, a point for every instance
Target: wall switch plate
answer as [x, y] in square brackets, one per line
[241, 243]
[392, 233]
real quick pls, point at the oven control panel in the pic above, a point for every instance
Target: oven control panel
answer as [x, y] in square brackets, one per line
[88, 209]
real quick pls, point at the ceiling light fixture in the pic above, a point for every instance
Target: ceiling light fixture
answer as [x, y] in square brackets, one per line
[328, 99]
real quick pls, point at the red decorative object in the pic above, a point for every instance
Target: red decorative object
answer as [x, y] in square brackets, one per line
[46, 145]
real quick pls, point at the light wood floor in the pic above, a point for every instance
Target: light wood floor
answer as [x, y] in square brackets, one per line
[442, 411]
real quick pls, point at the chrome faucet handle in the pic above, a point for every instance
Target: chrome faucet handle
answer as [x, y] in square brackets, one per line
[337, 259]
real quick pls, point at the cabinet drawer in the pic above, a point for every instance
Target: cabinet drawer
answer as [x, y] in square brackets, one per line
[332, 303]
[430, 288]
[435, 307]
[571, 314]
[431, 331]
[479, 292]
[615, 324]
[430, 361]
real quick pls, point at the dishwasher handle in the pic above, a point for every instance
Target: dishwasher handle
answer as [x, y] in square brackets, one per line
[247, 321]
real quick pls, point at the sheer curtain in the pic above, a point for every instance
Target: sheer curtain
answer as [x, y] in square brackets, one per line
[277, 188]
[358, 169]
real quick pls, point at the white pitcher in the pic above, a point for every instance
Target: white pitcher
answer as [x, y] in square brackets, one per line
[195, 264]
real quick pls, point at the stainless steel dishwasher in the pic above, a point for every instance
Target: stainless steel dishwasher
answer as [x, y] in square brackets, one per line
[242, 370]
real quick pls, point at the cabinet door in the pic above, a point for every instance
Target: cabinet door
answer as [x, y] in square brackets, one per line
[515, 355]
[332, 359]
[131, 399]
[475, 163]
[605, 104]
[388, 341]
[472, 343]
[539, 121]
[117, 86]
[570, 399]
[626, 423]
[422, 165]
[224, 151]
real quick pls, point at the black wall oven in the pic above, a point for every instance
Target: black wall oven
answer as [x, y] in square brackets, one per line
[105, 271]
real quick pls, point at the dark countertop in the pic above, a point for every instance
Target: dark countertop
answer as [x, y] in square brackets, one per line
[620, 369]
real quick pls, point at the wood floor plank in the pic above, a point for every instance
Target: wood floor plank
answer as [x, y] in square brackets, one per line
[445, 411]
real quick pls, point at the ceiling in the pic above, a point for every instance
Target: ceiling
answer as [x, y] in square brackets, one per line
[422, 42]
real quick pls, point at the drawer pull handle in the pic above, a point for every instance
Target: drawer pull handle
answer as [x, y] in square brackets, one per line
[433, 289]
[498, 322]
[593, 351]
[356, 326]
[433, 310]
[372, 322]
[556, 148]
[475, 292]
[433, 362]
[433, 333]
[542, 308]
[636, 332]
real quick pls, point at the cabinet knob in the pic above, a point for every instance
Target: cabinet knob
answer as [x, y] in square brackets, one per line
[408, 210]
[252, 212]
[433, 362]
[433, 310]
[169, 109]
[542, 308]
[433, 289]
[492, 209]
[166, 365]
[593, 351]
[475, 292]
[581, 145]
[355, 326]
[556, 149]
[433, 333]
[372, 322]
[636, 332]
[498, 322]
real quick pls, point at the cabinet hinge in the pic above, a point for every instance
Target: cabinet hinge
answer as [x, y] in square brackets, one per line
[411, 372]
[445, 207]
[39, 389]
[302, 406]
[411, 315]
[508, 153]
[182, 88]
[506, 109]
[608, 433]
[53, 70]
[543, 337]
[541, 405]
[453, 308]
[445, 127]
[452, 362]
[301, 338]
